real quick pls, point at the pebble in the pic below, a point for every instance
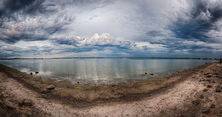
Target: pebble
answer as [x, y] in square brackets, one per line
[209, 75]
[196, 102]
[205, 110]
[50, 87]
[209, 86]
[26, 102]
[205, 90]
[218, 88]
[212, 106]
[9, 105]
[201, 97]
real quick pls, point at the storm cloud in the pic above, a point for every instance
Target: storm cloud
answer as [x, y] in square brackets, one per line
[147, 28]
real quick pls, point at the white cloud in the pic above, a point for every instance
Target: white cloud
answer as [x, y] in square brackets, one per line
[33, 44]
[104, 26]
[216, 46]
[148, 46]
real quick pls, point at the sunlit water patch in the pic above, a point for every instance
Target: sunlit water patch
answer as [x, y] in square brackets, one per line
[101, 69]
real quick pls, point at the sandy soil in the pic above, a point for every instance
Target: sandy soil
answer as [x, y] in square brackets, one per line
[195, 96]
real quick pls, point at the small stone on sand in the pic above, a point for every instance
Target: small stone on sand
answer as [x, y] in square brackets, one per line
[212, 106]
[196, 102]
[218, 88]
[50, 87]
[26, 102]
[209, 86]
[205, 90]
[205, 110]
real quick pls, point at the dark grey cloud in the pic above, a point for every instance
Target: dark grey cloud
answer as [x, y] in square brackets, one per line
[27, 6]
[203, 17]
[134, 28]
[28, 20]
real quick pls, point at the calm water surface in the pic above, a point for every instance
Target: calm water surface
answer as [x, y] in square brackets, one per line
[101, 69]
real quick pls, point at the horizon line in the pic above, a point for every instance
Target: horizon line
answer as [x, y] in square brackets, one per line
[207, 58]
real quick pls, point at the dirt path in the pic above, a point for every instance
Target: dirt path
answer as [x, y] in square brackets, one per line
[173, 101]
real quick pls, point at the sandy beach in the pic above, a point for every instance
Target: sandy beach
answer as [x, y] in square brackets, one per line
[195, 92]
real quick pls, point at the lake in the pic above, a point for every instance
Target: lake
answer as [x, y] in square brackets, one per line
[102, 69]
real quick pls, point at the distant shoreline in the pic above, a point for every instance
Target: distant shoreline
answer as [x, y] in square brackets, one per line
[115, 58]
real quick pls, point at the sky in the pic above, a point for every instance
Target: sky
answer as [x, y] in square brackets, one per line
[110, 28]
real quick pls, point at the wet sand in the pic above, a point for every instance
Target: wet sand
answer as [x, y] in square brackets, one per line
[195, 92]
